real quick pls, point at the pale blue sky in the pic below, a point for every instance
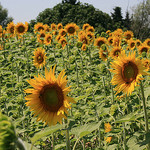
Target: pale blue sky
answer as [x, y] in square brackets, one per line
[25, 10]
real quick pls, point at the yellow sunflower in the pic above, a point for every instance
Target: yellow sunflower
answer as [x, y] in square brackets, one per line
[21, 28]
[146, 63]
[143, 48]
[59, 26]
[131, 44]
[116, 41]
[138, 42]
[128, 73]
[62, 32]
[128, 35]
[48, 98]
[53, 26]
[1, 47]
[39, 27]
[91, 36]
[100, 41]
[108, 139]
[71, 28]
[11, 28]
[110, 40]
[39, 58]
[63, 41]
[1, 29]
[114, 53]
[83, 38]
[107, 127]
[147, 42]
[84, 47]
[103, 54]
[47, 28]
[108, 32]
[48, 39]
[85, 26]
[41, 36]
[90, 29]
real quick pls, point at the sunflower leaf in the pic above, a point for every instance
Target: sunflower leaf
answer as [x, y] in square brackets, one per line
[45, 132]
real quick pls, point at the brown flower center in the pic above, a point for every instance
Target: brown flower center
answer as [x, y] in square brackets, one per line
[129, 72]
[12, 29]
[144, 49]
[116, 53]
[40, 28]
[52, 97]
[132, 44]
[100, 43]
[71, 30]
[40, 58]
[128, 37]
[21, 29]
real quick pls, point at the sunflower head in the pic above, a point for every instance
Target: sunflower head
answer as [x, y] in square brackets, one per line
[1, 29]
[131, 44]
[100, 41]
[63, 42]
[39, 27]
[116, 41]
[48, 39]
[91, 36]
[21, 28]
[143, 48]
[47, 28]
[41, 36]
[147, 42]
[11, 28]
[39, 58]
[53, 26]
[128, 35]
[107, 127]
[110, 40]
[84, 38]
[146, 63]
[71, 28]
[128, 73]
[103, 54]
[138, 42]
[85, 26]
[114, 53]
[108, 139]
[62, 32]
[84, 47]
[90, 29]
[48, 98]
[59, 26]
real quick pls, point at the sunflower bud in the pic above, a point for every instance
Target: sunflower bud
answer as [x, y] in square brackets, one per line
[79, 44]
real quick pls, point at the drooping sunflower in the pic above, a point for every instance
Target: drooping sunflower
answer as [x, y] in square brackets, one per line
[48, 39]
[108, 31]
[41, 36]
[100, 41]
[91, 36]
[143, 48]
[39, 58]
[103, 54]
[128, 35]
[114, 53]
[59, 26]
[83, 38]
[128, 72]
[48, 98]
[147, 42]
[146, 63]
[11, 28]
[21, 28]
[39, 27]
[138, 43]
[110, 40]
[84, 47]
[71, 28]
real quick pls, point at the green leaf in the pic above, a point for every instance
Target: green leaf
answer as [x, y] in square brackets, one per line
[85, 129]
[58, 146]
[147, 92]
[112, 147]
[46, 131]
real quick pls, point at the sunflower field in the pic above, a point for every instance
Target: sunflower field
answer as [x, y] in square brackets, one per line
[71, 88]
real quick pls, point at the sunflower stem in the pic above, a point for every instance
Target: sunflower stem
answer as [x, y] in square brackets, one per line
[67, 140]
[53, 144]
[104, 85]
[77, 73]
[90, 56]
[124, 136]
[20, 144]
[145, 111]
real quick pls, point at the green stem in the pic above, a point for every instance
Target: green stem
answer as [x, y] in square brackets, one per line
[53, 144]
[75, 144]
[145, 111]
[99, 131]
[67, 140]
[104, 85]
[124, 136]
[20, 144]
[77, 73]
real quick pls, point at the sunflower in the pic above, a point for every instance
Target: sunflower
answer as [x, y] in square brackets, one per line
[91, 36]
[59, 26]
[143, 48]
[147, 42]
[90, 29]
[107, 127]
[71, 28]
[114, 53]
[21, 28]
[39, 58]
[1, 29]
[11, 28]
[128, 35]
[128, 73]
[85, 26]
[108, 139]
[103, 54]
[48, 39]
[58, 37]
[41, 36]
[39, 27]
[53, 26]
[47, 28]
[48, 98]
[131, 44]
[146, 63]
[116, 41]
[63, 42]
[62, 32]
[84, 47]
[110, 40]
[84, 38]
[100, 41]
[1, 47]
[138, 42]
[55, 32]
[108, 31]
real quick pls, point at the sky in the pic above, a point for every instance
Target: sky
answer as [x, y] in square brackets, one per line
[26, 10]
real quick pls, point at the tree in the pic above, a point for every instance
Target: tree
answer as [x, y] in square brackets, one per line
[117, 17]
[141, 20]
[127, 21]
[4, 19]
[72, 2]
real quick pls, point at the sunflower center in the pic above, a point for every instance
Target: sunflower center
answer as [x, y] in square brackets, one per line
[40, 28]
[138, 43]
[100, 43]
[132, 44]
[129, 72]
[148, 43]
[116, 53]
[49, 39]
[52, 97]
[128, 36]
[144, 49]
[12, 29]
[40, 59]
[21, 29]
[71, 30]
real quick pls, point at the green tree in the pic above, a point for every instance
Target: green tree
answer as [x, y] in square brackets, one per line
[127, 21]
[79, 13]
[4, 19]
[141, 20]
